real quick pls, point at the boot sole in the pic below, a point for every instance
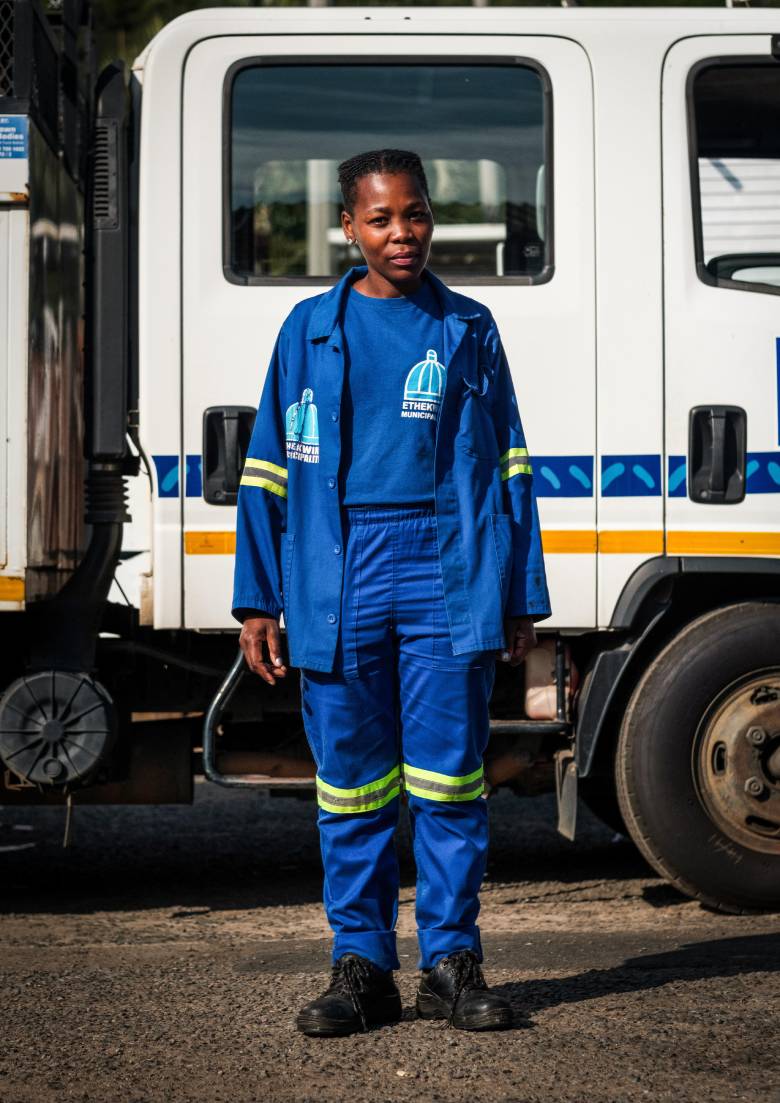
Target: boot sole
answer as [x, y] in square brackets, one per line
[431, 1007]
[317, 1027]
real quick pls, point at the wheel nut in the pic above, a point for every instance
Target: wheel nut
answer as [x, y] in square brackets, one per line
[756, 736]
[754, 786]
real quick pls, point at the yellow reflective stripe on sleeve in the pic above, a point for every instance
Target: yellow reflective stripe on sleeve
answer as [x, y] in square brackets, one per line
[510, 452]
[517, 469]
[445, 787]
[515, 461]
[266, 484]
[365, 798]
[274, 467]
[263, 473]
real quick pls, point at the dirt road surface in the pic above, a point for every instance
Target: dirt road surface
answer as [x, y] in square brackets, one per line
[164, 955]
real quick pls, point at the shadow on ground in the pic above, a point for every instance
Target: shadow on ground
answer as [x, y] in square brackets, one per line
[723, 958]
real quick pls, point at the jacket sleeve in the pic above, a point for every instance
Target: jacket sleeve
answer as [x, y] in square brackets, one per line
[262, 500]
[528, 594]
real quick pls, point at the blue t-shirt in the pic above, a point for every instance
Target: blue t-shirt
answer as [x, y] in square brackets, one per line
[393, 385]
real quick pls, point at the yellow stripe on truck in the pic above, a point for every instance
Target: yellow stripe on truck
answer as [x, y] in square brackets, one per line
[723, 543]
[554, 542]
[568, 541]
[11, 589]
[639, 540]
[209, 543]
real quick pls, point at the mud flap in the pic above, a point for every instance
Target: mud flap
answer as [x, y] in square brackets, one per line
[566, 792]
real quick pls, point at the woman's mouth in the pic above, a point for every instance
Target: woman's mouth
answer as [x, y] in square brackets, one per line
[405, 260]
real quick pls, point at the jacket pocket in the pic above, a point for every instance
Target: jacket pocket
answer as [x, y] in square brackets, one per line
[501, 524]
[288, 547]
[476, 432]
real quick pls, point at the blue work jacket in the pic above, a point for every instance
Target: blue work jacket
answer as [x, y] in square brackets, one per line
[290, 536]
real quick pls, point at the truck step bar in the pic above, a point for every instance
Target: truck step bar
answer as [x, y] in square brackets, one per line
[559, 726]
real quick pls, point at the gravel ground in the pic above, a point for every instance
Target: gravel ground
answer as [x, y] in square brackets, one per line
[164, 954]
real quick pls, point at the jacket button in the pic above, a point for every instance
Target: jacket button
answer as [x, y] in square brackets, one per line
[337, 549]
[331, 618]
[335, 415]
[331, 483]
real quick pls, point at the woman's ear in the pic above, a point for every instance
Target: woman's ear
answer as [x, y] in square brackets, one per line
[346, 225]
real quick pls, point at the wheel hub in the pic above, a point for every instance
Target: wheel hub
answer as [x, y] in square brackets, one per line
[737, 762]
[56, 728]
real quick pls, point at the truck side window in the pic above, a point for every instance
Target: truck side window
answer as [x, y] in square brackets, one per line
[735, 154]
[483, 130]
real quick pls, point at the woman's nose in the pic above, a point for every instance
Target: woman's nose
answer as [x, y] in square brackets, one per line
[401, 231]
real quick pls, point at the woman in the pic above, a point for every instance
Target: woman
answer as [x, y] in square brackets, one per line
[387, 508]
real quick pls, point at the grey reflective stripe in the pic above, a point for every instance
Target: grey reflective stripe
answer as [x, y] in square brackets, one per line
[354, 804]
[258, 471]
[440, 787]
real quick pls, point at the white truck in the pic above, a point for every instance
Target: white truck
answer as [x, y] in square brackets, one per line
[608, 182]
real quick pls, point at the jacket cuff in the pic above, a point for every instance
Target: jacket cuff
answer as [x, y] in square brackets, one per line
[243, 613]
[534, 614]
[257, 603]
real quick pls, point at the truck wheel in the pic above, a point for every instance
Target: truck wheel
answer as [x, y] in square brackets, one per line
[698, 759]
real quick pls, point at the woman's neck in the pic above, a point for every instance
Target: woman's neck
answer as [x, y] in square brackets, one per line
[376, 286]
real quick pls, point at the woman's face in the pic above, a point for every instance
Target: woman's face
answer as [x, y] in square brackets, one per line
[393, 225]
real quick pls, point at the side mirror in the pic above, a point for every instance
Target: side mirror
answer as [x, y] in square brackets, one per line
[227, 431]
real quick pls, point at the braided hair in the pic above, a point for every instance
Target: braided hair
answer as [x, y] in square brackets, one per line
[379, 160]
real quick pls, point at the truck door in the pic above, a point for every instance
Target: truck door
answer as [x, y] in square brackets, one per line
[266, 121]
[721, 170]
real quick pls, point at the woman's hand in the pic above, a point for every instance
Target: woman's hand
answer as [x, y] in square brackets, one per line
[254, 632]
[520, 636]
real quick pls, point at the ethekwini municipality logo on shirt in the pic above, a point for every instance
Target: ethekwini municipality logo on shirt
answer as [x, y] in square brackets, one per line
[302, 429]
[423, 388]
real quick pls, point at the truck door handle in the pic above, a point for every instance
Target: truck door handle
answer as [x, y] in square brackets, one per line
[226, 434]
[718, 466]
[232, 469]
[717, 444]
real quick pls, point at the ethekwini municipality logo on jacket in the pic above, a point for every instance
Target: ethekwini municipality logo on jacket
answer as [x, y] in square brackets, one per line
[302, 429]
[424, 387]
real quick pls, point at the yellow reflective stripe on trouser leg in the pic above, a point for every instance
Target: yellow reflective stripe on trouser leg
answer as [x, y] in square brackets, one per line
[365, 798]
[515, 461]
[435, 786]
[263, 473]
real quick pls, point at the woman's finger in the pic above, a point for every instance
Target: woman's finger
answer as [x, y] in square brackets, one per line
[524, 640]
[275, 649]
[251, 646]
[251, 643]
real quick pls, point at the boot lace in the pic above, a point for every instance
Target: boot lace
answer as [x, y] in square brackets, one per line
[351, 977]
[467, 973]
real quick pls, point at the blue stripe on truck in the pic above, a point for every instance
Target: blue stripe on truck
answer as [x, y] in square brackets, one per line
[622, 476]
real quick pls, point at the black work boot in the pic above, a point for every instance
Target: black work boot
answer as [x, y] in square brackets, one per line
[455, 989]
[360, 995]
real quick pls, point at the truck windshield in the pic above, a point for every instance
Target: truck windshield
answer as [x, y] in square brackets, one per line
[481, 130]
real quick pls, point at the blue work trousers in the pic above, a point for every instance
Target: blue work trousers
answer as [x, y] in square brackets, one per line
[399, 712]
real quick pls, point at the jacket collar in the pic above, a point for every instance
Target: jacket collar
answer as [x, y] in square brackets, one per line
[329, 309]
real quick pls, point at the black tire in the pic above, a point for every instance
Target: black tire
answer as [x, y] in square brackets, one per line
[659, 784]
